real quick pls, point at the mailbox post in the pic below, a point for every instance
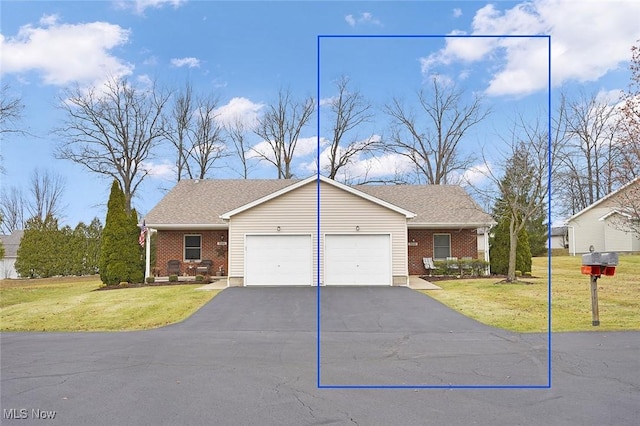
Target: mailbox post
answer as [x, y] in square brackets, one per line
[595, 265]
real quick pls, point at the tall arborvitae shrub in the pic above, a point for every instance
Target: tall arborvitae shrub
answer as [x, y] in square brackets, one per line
[39, 255]
[120, 252]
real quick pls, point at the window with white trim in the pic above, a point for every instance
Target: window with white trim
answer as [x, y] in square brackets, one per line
[441, 246]
[192, 247]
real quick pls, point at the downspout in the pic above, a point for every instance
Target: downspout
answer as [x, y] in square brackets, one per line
[573, 239]
[487, 257]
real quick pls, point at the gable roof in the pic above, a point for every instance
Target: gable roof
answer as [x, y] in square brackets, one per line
[609, 196]
[199, 203]
[407, 214]
[436, 206]
[205, 204]
[11, 243]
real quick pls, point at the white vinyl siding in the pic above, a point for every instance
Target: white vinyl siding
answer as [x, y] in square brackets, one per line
[295, 212]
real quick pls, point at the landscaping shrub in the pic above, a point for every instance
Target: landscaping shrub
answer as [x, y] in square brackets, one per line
[173, 278]
[199, 278]
[150, 280]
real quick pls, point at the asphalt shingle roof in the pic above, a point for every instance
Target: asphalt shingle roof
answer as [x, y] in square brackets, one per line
[193, 202]
[433, 204]
[11, 243]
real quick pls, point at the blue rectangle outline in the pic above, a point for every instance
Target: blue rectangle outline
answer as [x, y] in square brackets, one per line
[444, 36]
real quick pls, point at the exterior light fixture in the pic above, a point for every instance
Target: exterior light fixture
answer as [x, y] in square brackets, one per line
[278, 228]
[357, 228]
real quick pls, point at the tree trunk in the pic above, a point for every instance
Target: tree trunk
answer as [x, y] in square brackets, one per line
[513, 246]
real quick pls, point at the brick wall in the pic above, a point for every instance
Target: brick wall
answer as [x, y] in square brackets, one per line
[463, 244]
[170, 246]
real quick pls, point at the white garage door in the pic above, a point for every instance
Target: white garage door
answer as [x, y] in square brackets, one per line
[357, 259]
[278, 260]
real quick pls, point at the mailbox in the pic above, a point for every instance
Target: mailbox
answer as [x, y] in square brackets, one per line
[598, 264]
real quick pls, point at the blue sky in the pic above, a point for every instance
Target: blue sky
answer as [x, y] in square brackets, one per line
[243, 52]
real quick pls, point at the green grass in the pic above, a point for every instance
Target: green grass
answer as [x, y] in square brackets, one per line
[523, 308]
[70, 304]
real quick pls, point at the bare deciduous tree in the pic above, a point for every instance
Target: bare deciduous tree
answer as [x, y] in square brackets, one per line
[237, 131]
[280, 127]
[12, 208]
[587, 160]
[432, 138]
[46, 190]
[629, 125]
[207, 141]
[179, 125]
[10, 110]
[349, 109]
[523, 187]
[113, 131]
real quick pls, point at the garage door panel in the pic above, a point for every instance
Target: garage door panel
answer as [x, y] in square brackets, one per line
[278, 260]
[357, 259]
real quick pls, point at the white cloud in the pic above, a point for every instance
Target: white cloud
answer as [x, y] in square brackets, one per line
[577, 54]
[365, 18]
[190, 62]
[304, 148]
[362, 165]
[65, 53]
[164, 170]
[139, 6]
[457, 12]
[476, 175]
[239, 109]
[350, 20]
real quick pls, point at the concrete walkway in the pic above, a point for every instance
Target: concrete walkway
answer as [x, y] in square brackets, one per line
[417, 283]
[216, 285]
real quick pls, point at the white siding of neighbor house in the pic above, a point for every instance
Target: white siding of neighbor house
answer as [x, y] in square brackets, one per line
[587, 230]
[8, 268]
[295, 212]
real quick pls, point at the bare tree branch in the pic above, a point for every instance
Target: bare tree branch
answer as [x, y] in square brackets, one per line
[208, 144]
[432, 140]
[349, 109]
[46, 191]
[280, 127]
[12, 207]
[113, 130]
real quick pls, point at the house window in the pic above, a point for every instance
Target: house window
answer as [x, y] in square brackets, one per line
[192, 247]
[441, 246]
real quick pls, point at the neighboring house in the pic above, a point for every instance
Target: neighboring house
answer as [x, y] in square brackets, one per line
[11, 244]
[604, 224]
[559, 237]
[266, 232]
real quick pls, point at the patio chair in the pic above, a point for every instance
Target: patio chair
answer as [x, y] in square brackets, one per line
[205, 267]
[428, 264]
[173, 267]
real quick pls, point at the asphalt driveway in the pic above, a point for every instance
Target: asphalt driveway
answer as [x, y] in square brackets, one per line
[249, 357]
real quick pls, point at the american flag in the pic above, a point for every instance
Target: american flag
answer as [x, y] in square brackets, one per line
[143, 234]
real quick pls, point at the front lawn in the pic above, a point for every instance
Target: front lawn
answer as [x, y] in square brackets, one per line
[523, 308]
[71, 304]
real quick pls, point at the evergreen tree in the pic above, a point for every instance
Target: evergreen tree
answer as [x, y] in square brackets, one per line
[39, 254]
[537, 230]
[92, 251]
[120, 253]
